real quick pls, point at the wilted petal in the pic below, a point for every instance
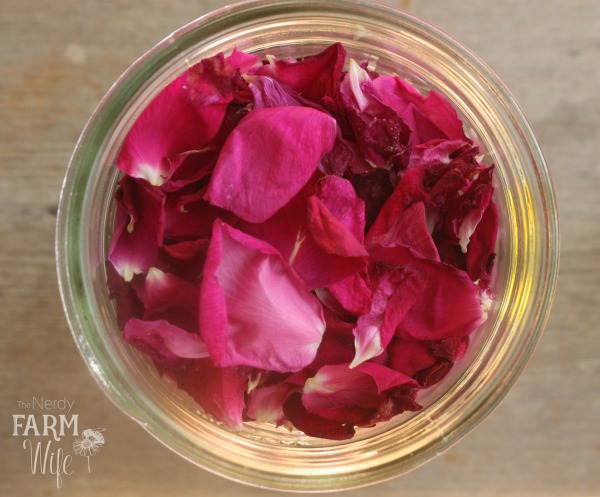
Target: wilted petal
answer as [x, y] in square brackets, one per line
[409, 356]
[374, 188]
[381, 134]
[268, 158]
[166, 343]
[219, 391]
[184, 259]
[139, 228]
[408, 227]
[337, 386]
[254, 309]
[189, 216]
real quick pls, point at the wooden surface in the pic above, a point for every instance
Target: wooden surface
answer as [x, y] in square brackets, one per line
[57, 59]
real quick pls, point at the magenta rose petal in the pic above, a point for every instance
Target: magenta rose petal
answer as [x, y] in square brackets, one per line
[166, 343]
[352, 294]
[246, 63]
[219, 391]
[340, 198]
[394, 295]
[183, 117]
[254, 309]
[314, 77]
[139, 228]
[282, 147]
[429, 118]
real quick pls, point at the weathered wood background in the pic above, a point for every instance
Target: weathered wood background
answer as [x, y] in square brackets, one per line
[57, 59]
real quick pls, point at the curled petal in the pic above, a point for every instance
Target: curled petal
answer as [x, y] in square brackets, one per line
[282, 147]
[254, 309]
[265, 404]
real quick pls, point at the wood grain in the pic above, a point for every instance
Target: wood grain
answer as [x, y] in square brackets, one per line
[58, 58]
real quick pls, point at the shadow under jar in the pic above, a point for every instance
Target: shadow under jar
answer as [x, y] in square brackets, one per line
[391, 42]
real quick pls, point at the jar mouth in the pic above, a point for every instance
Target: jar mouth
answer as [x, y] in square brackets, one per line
[390, 41]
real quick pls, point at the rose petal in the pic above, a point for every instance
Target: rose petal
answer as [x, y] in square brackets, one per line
[314, 425]
[165, 296]
[340, 198]
[189, 216]
[380, 133]
[184, 259]
[313, 77]
[139, 228]
[219, 391]
[166, 343]
[353, 294]
[429, 118]
[314, 242]
[265, 404]
[254, 309]
[396, 292]
[121, 292]
[449, 304]
[409, 357]
[267, 159]
[183, 117]
[480, 256]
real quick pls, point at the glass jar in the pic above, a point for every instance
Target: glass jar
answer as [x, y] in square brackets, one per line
[390, 41]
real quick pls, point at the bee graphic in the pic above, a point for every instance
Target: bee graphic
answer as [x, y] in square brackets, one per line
[90, 443]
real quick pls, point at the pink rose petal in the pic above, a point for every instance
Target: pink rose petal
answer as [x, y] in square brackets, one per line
[281, 146]
[166, 343]
[254, 309]
[139, 228]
